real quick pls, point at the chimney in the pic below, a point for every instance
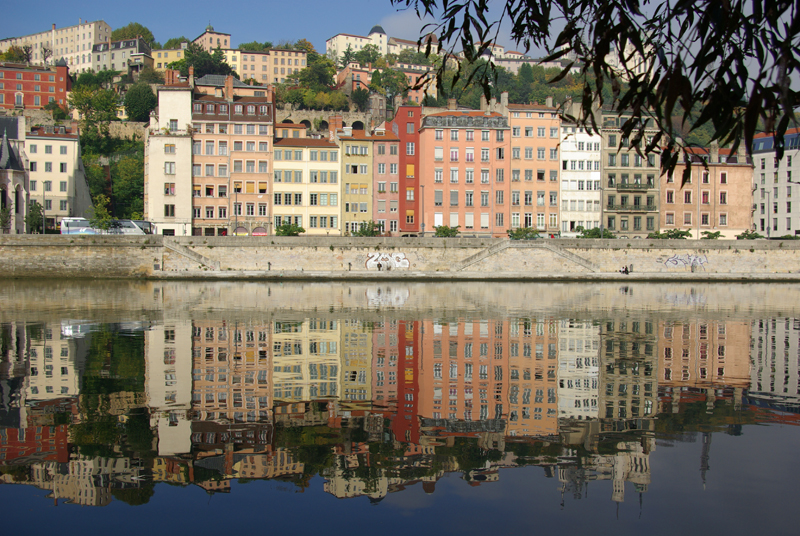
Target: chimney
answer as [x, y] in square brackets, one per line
[492, 104]
[452, 104]
[714, 152]
[54, 26]
[504, 99]
[549, 102]
[484, 104]
[229, 88]
[191, 76]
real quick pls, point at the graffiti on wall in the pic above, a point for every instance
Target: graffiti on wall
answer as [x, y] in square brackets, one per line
[387, 261]
[687, 260]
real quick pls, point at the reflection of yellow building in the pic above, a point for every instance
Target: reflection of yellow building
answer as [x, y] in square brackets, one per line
[273, 465]
[306, 360]
[356, 392]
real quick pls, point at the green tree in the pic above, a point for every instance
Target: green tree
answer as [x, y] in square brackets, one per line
[27, 53]
[99, 216]
[523, 233]
[360, 98]
[34, 218]
[14, 54]
[175, 42]
[139, 102]
[711, 235]
[408, 55]
[734, 58]
[594, 233]
[133, 30]
[368, 54]
[203, 62]
[748, 235]
[127, 179]
[289, 229]
[389, 83]
[151, 76]
[319, 76]
[96, 107]
[5, 218]
[312, 56]
[445, 231]
[369, 228]
[255, 46]
[348, 56]
[59, 113]
[672, 234]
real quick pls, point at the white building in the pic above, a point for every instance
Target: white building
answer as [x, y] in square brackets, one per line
[168, 163]
[578, 372]
[774, 374]
[580, 179]
[73, 43]
[774, 183]
[168, 385]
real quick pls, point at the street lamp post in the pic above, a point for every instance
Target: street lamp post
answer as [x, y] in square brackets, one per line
[422, 194]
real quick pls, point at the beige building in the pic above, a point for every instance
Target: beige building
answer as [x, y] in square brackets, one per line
[306, 360]
[306, 182]
[72, 43]
[272, 66]
[717, 196]
[57, 177]
[210, 40]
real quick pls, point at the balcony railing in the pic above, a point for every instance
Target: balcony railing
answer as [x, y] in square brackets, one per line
[634, 186]
[632, 208]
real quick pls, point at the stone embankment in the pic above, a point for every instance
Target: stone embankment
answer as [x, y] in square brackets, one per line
[161, 257]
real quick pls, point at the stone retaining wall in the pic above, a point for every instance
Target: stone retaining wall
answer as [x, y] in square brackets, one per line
[109, 256]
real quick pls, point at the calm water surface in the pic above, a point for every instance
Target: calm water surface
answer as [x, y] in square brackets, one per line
[612, 409]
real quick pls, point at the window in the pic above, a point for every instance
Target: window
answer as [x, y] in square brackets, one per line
[410, 148]
[169, 211]
[169, 168]
[687, 198]
[169, 188]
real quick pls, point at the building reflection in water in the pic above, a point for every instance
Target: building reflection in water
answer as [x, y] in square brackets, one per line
[377, 403]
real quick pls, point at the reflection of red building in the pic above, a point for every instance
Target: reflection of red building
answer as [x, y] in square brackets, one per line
[406, 421]
[34, 444]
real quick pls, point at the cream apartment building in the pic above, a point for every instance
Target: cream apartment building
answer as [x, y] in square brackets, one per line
[580, 179]
[72, 43]
[357, 178]
[306, 187]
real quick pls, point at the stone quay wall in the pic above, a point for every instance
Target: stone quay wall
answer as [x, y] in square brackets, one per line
[416, 258]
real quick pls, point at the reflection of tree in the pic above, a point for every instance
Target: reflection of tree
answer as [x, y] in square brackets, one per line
[135, 496]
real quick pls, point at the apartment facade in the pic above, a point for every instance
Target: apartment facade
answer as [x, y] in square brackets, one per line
[386, 181]
[210, 40]
[406, 126]
[168, 188]
[129, 54]
[57, 177]
[31, 87]
[357, 178]
[232, 157]
[580, 179]
[774, 182]
[716, 197]
[163, 57]
[535, 163]
[464, 170]
[306, 186]
[630, 193]
[73, 44]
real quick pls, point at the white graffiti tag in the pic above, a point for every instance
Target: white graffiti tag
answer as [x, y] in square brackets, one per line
[387, 261]
[388, 297]
[686, 261]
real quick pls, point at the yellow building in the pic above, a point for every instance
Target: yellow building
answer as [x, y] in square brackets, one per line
[306, 360]
[163, 57]
[306, 182]
[356, 147]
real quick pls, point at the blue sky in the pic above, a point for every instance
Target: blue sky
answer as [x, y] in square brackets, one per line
[245, 20]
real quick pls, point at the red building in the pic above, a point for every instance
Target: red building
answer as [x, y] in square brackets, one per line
[30, 86]
[406, 125]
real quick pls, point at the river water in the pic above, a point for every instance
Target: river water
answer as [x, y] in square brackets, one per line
[174, 407]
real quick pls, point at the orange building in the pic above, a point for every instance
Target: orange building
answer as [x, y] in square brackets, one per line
[464, 171]
[535, 138]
